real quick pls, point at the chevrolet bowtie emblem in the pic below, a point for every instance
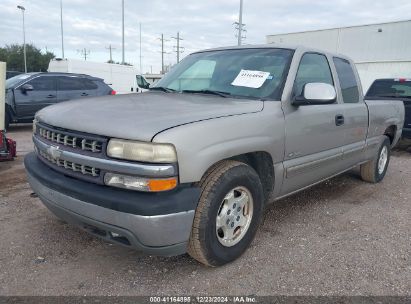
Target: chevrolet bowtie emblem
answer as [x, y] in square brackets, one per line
[54, 152]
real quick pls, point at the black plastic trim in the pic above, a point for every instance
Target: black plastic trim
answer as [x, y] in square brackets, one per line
[183, 198]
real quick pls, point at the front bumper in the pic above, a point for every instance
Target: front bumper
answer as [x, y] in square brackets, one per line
[154, 223]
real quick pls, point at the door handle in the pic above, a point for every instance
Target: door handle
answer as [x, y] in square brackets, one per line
[84, 94]
[51, 96]
[339, 119]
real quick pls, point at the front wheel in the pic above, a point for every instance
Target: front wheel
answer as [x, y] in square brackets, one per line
[7, 121]
[374, 170]
[228, 213]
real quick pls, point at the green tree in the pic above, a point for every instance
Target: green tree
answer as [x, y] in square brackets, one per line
[37, 61]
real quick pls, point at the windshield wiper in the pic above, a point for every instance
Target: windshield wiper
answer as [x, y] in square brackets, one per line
[164, 89]
[211, 92]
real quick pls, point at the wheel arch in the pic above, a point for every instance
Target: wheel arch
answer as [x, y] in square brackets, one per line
[390, 132]
[261, 162]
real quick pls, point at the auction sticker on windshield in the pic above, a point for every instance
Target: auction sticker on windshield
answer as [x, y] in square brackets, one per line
[250, 79]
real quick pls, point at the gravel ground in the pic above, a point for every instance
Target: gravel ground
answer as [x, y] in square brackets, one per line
[342, 237]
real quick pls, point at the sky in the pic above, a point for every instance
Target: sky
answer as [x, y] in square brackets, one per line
[94, 25]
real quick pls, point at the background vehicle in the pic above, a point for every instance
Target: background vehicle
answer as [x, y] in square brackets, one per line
[10, 74]
[28, 93]
[191, 165]
[122, 78]
[394, 88]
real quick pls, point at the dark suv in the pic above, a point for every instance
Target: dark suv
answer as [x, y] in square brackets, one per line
[394, 88]
[28, 93]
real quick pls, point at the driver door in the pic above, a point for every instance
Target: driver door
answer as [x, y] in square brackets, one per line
[43, 94]
[313, 138]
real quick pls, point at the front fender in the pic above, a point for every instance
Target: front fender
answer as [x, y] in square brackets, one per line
[201, 144]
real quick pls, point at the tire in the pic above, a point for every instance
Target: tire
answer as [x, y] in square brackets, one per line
[374, 170]
[226, 184]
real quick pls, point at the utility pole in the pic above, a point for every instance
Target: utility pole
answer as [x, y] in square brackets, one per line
[178, 48]
[24, 38]
[110, 48]
[141, 66]
[240, 25]
[122, 31]
[162, 53]
[84, 52]
[61, 27]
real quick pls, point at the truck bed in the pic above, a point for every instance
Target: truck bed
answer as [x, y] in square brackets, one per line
[383, 114]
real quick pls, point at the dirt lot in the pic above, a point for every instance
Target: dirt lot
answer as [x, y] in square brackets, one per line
[343, 237]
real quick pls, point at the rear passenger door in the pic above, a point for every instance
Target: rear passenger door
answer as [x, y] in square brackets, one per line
[355, 112]
[313, 138]
[74, 87]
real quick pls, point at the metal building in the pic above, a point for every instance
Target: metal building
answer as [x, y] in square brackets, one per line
[379, 50]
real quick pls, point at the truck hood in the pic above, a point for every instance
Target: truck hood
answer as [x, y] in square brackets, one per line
[141, 116]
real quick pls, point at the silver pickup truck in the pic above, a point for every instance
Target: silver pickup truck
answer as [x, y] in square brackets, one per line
[190, 165]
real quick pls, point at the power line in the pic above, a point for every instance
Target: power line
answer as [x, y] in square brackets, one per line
[179, 49]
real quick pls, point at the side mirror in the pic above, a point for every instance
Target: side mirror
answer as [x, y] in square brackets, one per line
[316, 93]
[26, 87]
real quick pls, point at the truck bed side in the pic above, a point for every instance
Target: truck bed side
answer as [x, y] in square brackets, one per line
[385, 117]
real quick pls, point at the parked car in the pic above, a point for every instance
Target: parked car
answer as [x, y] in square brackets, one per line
[10, 74]
[394, 88]
[28, 93]
[191, 165]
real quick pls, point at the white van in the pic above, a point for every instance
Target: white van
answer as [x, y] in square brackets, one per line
[122, 78]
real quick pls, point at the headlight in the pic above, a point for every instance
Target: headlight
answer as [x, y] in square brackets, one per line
[35, 121]
[142, 151]
[139, 183]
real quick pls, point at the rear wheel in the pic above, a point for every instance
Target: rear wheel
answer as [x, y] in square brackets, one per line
[374, 171]
[228, 213]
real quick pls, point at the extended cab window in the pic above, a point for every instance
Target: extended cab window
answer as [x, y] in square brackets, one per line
[348, 82]
[43, 84]
[313, 68]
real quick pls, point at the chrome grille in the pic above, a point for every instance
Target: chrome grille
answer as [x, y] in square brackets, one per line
[83, 169]
[84, 144]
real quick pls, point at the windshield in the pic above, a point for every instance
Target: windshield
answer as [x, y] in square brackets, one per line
[249, 73]
[390, 88]
[13, 81]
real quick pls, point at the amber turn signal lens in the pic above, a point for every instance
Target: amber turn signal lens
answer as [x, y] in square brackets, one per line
[156, 185]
